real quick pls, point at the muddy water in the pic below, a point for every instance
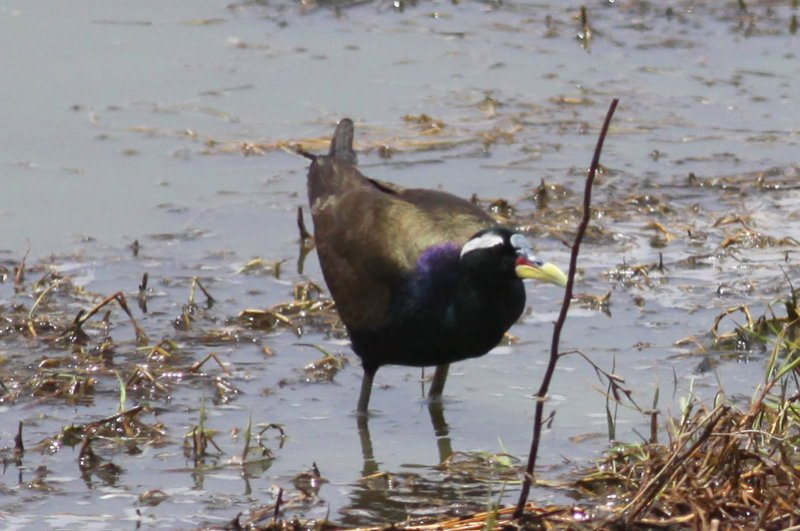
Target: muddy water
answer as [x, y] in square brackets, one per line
[133, 122]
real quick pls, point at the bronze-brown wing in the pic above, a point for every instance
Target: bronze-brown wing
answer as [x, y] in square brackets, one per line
[369, 239]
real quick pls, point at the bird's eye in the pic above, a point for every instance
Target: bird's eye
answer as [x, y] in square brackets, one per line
[518, 241]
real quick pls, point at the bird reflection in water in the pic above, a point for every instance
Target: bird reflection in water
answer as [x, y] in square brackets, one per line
[440, 429]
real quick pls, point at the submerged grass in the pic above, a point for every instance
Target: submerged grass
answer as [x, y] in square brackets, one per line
[68, 346]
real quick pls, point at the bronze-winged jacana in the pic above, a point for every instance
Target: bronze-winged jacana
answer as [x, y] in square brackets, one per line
[419, 277]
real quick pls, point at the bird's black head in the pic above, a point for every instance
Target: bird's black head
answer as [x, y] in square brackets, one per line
[492, 252]
[504, 254]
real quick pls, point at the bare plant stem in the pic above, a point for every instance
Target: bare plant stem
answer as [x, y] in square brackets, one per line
[562, 316]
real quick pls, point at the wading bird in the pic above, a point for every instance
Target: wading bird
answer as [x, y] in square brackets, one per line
[419, 277]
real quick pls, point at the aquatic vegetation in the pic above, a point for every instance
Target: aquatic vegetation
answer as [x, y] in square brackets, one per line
[722, 462]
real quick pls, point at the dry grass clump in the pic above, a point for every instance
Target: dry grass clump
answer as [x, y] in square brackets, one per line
[723, 465]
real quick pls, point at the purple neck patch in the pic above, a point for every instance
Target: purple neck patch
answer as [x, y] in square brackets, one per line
[437, 258]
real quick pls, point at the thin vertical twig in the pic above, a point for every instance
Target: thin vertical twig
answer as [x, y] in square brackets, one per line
[562, 316]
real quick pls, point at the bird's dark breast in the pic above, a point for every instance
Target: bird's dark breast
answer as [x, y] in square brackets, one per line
[423, 344]
[431, 331]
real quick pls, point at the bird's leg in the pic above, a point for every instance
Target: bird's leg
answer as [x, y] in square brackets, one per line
[366, 390]
[437, 384]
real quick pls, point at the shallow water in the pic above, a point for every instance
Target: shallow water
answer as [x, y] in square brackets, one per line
[123, 123]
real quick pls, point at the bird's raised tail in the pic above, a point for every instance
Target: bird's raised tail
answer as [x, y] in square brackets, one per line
[335, 173]
[342, 142]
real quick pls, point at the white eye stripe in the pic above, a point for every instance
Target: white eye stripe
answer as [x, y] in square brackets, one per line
[485, 241]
